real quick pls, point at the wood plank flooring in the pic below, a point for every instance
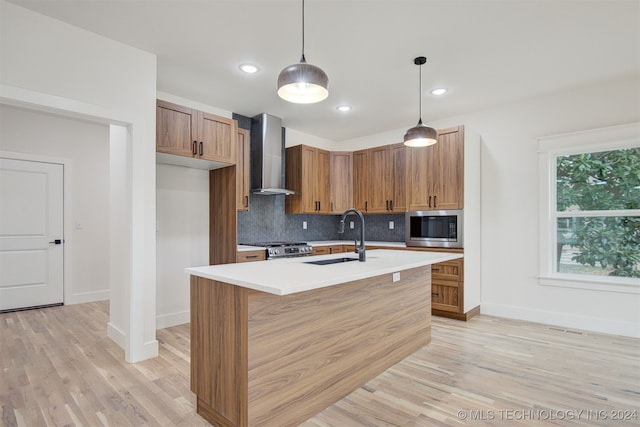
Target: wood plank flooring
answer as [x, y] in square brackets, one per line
[58, 368]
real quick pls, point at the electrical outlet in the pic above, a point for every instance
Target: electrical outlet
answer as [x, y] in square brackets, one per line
[304, 225]
[391, 225]
[351, 225]
[396, 277]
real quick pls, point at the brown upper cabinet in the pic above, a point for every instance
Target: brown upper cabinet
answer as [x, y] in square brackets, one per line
[341, 181]
[436, 173]
[380, 179]
[307, 173]
[187, 132]
[242, 171]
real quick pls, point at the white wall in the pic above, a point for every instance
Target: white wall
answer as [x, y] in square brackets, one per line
[47, 64]
[86, 146]
[182, 200]
[510, 203]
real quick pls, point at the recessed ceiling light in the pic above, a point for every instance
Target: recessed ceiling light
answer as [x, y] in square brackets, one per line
[343, 108]
[438, 91]
[249, 68]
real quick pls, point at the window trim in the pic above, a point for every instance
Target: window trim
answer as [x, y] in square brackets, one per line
[549, 148]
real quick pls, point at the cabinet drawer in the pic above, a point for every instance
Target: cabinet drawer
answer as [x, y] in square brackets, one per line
[323, 250]
[248, 256]
[448, 270]
[445, 298]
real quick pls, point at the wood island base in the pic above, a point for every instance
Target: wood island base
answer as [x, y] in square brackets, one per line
[259, 359]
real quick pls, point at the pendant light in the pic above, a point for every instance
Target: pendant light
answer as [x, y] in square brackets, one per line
[303, 83]
[420, 135]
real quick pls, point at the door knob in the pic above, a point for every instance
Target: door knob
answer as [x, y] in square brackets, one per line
[57, 241]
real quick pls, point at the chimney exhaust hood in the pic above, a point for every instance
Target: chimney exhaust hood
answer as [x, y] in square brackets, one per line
[267, 155]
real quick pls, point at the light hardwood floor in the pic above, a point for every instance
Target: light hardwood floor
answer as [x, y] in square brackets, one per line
[58, 368]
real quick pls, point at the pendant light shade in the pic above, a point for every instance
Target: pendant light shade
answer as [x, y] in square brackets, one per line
[420, 135]
[303, 83]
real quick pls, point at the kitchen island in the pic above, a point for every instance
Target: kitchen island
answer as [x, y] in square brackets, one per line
[276, 342]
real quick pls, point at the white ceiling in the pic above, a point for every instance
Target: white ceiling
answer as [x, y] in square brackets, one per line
[487, 52]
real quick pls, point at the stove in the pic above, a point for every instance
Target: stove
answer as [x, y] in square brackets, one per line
[277, 250]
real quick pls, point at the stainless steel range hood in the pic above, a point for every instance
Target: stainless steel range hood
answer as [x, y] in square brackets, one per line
[267, 155]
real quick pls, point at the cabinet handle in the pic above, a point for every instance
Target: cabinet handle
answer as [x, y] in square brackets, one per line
[366, 206]
[331, 205]
[319, 205]
[429, 201]
[387, 204]
[435, 269]
[251, 256]
[201, 148]
[434, 294]
[246, 201]
[435, 204]
[390, 205]
[195, 148]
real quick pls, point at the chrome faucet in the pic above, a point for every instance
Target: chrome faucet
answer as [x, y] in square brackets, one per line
[362, 255]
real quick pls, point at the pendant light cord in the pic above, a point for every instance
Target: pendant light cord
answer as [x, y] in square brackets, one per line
[302, 58]
[420, 95]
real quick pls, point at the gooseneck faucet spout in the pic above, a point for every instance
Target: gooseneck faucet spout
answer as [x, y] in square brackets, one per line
[361, 251]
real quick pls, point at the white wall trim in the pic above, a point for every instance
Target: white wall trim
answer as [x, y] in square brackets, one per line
[117, 335]
[172, 319]
[594, 324]
[82, 297]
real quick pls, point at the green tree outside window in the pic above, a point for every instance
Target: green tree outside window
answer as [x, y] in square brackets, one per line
[597, 182]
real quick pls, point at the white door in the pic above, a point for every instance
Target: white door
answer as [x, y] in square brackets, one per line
[31, 234]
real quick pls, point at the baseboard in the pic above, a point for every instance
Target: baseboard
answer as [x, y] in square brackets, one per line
[83, 297]
[593, 324]
[173, 319]
[451, 315]
[116, 335]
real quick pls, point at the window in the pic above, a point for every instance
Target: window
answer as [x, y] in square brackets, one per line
[590, 209]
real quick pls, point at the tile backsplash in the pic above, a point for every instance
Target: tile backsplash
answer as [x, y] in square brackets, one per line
[267, 221]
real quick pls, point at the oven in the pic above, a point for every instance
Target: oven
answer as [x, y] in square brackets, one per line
[437, 229]
[277, 250]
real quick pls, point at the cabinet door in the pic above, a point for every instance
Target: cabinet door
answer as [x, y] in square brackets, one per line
[322, 188]
[448, 187]
[174, 131]
[445, 296]
[216, 137]
[242, 171]
[421, 178]
[309, 178]
[398, 157]
[341, 179]
[380, 184]
[361, 181]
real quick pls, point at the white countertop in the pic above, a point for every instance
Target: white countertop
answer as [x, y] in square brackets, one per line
[246, 248]
[292, 275]
[350, 242]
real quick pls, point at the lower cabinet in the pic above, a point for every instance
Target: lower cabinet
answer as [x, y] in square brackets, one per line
[331, 249]
[248, 256]
[447, 286]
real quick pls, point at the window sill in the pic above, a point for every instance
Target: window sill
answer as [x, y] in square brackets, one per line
[626, 285]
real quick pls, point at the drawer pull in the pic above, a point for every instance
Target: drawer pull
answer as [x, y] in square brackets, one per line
[434, 294]
[251, 256]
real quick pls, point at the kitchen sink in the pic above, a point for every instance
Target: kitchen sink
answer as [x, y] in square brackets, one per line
[331, 261]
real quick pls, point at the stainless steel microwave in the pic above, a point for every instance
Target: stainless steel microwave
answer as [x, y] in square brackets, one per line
[437, 229]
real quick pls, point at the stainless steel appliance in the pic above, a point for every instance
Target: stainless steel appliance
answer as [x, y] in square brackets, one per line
[277, 250]
[267, 155]
[438, 229]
